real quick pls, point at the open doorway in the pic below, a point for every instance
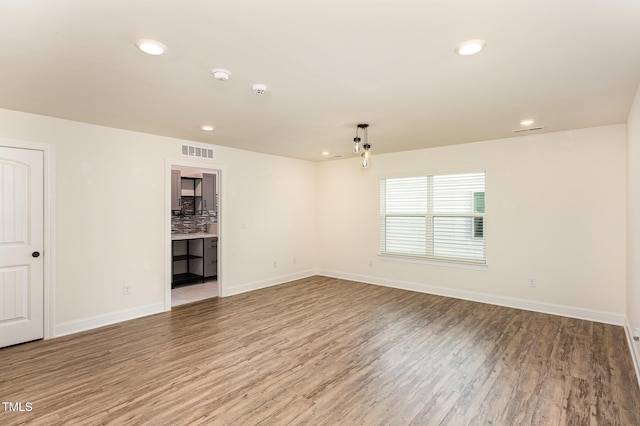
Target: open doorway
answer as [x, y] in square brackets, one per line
[195, 237]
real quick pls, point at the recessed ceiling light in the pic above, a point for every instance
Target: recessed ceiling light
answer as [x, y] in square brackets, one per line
[470, 47]
[527, 122]
[151, 47]
[220, 74]
[326, 153]
[207, 128]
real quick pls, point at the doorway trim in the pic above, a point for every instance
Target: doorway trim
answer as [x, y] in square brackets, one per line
[49, 228]
[222, 214]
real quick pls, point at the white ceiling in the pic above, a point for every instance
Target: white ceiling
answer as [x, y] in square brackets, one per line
[328, 64]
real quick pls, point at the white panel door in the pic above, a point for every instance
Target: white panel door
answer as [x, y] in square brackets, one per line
[21, 242]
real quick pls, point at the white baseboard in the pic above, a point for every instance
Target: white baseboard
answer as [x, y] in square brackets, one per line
[511, 302]
[108, 319]
[634, 347]
[85, 324]
[256, 285]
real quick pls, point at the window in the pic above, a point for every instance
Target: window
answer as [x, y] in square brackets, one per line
[478, 207]
[434, 217]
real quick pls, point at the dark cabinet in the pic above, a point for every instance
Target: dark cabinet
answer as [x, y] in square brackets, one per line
[210, 257]
[193, 195]
[209, 192]
[193, 260]
[176, 187]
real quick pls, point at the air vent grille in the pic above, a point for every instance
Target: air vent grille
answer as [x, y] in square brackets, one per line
[198, 151]
[529, 129]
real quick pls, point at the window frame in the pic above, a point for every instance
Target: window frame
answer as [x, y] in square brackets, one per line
[430, 216]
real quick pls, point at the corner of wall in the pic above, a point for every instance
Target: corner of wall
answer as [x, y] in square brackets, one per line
[633, 230]
[634, 348]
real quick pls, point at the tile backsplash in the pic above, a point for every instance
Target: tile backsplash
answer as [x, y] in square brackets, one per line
[190, 223]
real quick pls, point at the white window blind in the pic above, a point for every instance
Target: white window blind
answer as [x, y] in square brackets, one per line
[434, 217]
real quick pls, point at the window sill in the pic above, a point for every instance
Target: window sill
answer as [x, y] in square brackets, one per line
[433, 262]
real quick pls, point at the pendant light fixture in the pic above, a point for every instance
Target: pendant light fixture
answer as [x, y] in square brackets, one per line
[356, 142]
[365, 149]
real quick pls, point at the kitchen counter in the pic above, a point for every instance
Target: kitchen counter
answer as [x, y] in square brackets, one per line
[192, 236]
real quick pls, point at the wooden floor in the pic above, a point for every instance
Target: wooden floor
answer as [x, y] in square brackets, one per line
[330, 352]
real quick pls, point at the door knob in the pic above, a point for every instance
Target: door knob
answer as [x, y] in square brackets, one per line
[35, 254]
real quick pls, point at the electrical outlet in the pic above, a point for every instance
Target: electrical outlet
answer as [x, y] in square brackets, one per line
[636, 335]
[295, 260]
[533, 283]
[371, 263]
[126, 289]
[275, 263]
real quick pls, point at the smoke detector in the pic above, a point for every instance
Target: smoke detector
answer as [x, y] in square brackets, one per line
[259, 89]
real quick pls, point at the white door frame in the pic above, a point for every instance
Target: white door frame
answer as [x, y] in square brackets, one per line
[48, 198]
[195, 163]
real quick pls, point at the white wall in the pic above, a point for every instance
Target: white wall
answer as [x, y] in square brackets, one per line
[556, 211]
[633, 224]
[110, 217]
